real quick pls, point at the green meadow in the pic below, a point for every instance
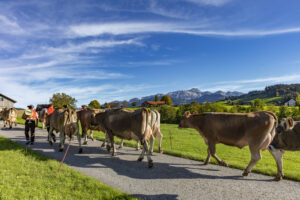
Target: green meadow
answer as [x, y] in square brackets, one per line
[26, 174]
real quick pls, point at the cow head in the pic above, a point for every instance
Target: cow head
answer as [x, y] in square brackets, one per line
[285, 124]
[184, 122]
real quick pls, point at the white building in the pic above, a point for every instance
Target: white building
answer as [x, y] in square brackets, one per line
[291, 102]
[6, 102]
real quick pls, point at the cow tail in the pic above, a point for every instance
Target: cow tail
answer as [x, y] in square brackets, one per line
[275, 124]
[144, 129]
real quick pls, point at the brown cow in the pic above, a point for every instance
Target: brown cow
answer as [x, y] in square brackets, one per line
[255, 129]
[155, 126]
[286, 138]
[9, 116]
[65, 122]
[126, 124]
[85, 117]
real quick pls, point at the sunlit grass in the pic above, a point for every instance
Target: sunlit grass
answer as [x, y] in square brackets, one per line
[25, 174]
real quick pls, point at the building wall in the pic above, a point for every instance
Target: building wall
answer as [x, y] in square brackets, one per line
[5, 103]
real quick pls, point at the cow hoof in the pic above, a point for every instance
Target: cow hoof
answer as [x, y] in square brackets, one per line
[107, 147]
[161, 151]
[206, 163]
[84, 143]
[278, 178]
[120, 147]
[54, 140]
[93, 139]
[80, 150]
[61, 149]
[140, 159]
[103, 145]
[151, 153]
[224, 164]
[150, 163]
[245, 173]
[51, 143]
[137, 149]
[10, 127]
[114, 154]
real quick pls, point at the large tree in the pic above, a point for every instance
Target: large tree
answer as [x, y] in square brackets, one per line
[167, 99]
[60, 99]
[94, 104]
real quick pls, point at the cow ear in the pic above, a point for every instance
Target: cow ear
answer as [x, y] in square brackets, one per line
[187, 114]
[290, 122]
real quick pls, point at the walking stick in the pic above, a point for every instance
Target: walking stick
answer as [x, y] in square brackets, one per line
[62, 161]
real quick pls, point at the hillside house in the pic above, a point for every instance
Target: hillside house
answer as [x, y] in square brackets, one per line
[291, 102]
[6, 102]
[153, 103]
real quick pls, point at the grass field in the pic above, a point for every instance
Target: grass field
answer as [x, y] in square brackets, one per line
[26, 174]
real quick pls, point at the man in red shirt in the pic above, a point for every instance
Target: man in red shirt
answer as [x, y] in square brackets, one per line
[50, 110]
[30, 124]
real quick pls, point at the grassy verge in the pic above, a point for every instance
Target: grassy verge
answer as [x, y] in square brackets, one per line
[26, 174]
[187, 143]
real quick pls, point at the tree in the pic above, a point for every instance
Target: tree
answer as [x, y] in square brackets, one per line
[125, 103]
[257, 105]
[156, 98]
[298, 100]
[60, 99]
[133, 104]
[94, 104]
[167, 99]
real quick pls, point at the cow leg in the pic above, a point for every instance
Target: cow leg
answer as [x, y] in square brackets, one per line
[62, 140]
[207, 158]
[106, 142]
[212, 151]
[255, 157]
[79, 140]
[91, 135]
[146, 149]
[277, 155]
[121, 144]
[137, 145]
[50, 133]
[111, 137]
[142, 155]
[159, 137]
[84, 135]
[10, 124]
[151, 144]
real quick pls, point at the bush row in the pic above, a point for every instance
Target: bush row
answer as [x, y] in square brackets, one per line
[172, 115]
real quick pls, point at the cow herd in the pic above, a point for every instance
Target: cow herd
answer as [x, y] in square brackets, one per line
[258, 130]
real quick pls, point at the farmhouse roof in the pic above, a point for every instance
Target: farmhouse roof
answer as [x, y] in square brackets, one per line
[2, 95]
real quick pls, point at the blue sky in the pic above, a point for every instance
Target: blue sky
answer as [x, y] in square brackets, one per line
[116, 50]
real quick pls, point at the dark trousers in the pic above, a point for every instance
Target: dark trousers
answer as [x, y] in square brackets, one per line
[29, 125]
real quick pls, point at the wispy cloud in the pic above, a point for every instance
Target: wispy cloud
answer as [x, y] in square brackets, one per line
[85, 30]
[250, 84]
[210, 2]
[10, 26]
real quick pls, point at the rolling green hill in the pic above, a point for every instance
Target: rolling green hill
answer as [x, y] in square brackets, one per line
[275, 94]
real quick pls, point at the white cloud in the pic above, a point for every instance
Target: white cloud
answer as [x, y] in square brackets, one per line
[10, 26]
[119, 28]
[251, 84]
[210, 2]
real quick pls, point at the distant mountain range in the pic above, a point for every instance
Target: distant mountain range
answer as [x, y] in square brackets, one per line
[188, 96]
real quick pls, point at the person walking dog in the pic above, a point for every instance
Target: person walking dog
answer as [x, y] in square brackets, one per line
[30, 116]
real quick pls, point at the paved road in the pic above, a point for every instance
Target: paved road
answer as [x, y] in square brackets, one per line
[171, 177]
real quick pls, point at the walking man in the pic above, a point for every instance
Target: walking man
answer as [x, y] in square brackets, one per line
[31, 117]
